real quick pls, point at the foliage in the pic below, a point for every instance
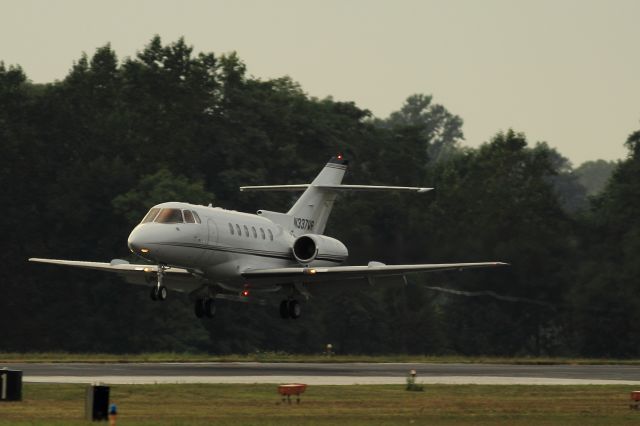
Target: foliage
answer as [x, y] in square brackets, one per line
[594, 175]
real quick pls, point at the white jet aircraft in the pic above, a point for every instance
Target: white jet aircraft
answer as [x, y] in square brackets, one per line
[212, 253]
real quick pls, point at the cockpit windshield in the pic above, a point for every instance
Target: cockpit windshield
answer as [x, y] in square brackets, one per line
[151, 215]
[159, 215]
[169, 216]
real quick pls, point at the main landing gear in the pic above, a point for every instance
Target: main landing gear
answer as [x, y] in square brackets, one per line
[159, 291]
[290, 308]
[205, 307]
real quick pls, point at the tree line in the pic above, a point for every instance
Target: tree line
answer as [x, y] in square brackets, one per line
[84, 158]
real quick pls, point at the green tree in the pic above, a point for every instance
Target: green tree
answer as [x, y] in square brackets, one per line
[607, 296]
[440, 130]
[594, 175]
[157, 188]
[499, 203]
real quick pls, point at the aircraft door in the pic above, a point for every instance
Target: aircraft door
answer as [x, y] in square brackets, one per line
[210, 256]
[213, 231]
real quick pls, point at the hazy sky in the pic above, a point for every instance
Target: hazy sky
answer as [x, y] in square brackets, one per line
[566, 72]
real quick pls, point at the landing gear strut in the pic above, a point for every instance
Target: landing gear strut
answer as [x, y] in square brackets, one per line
[290, 308]
[159, 292]
[205, 307]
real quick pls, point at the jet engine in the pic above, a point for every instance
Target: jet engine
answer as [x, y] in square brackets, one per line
[312, 247]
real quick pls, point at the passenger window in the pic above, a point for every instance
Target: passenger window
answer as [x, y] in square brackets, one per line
[188, 216]
[253, 231]
[195, 215]
[262, 234]
[151, 215]
[246, 231]
[239, 231]
[169, 216]
[231, 228]
[270, 234]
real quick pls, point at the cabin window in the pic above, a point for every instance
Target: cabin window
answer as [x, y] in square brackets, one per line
[253, 231]
[270, 234]
[151, 215]
[262, 234]
[188, 216]
[169, 216]
[246, 231]
[231, 228]
[239, 231]
[195, 215]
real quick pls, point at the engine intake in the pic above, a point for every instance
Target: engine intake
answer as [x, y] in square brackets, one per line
[311, 247]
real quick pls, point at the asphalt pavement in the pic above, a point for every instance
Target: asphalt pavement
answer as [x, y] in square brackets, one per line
[326, 373]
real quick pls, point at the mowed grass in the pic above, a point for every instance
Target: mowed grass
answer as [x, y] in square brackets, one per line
[14, 357]
[51, 404]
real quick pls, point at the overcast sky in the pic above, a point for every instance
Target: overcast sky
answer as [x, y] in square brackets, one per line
[562, 71]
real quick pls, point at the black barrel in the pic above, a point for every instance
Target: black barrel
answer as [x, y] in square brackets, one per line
[97, 403]
[10, 385]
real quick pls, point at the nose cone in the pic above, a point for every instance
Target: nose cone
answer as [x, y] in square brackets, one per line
[138, 240]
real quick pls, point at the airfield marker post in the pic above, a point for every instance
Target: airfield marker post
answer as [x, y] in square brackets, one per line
[411, 382]
[329, 349]
[113, 414]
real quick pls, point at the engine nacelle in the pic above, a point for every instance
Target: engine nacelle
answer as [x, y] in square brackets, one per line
[311, 247]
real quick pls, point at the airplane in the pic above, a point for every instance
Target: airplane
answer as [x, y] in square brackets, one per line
[211, 253]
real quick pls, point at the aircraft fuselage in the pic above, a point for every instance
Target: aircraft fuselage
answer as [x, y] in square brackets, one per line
[219, 244]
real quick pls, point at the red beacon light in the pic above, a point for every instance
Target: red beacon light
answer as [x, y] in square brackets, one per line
[339, 156]
[245, 293]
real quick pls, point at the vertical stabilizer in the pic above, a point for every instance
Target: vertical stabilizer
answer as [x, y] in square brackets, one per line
[311, 212]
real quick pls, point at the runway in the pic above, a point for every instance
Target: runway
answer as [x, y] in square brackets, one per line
[325, 374]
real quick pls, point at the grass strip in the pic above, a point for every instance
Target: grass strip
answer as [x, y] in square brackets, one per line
[200, 404]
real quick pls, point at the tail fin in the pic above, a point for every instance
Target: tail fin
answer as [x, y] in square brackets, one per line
[311, 211]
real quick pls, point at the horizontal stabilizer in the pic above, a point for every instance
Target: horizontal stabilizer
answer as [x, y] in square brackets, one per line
[336, 188]
[300, 187]
[371, 188]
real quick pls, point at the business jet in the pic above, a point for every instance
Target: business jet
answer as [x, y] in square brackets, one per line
[211, 253]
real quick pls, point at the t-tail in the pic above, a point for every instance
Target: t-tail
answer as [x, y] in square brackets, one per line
[310, 213]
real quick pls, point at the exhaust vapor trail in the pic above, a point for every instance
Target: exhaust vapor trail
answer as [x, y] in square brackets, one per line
[490, 293]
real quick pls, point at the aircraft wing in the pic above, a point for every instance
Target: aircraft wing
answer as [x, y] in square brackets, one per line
[132, 273]
[373, 270]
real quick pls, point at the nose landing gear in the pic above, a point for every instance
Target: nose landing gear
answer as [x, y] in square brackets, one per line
[159, 292]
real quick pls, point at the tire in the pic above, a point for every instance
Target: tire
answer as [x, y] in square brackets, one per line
[294, 309]
[284, 309]
[199, 308]
[153, 294]
[162, 293]
[209, 306]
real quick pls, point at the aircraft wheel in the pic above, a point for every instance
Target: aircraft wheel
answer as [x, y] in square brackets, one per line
[199, 308]
[294, 309]
[161, 293]
[284, 309]
[153, 294]
[209, 306]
